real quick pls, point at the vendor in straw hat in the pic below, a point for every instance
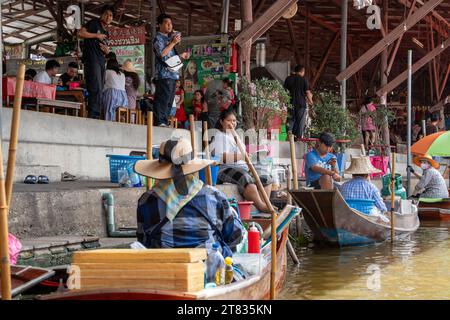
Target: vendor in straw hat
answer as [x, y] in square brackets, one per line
[431, 183]
[132, 83]
[359, 187]
[180, 211]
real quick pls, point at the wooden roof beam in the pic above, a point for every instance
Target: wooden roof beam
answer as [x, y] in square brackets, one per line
[418, 65]
[258, 27]
[389, 39]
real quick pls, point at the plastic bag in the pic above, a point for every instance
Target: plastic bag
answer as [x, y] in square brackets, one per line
[14, 248]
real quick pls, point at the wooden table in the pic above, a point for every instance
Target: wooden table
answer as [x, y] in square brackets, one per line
[77, 95]
[66, 105]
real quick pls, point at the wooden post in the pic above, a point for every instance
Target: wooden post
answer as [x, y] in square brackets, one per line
[149, 143]
[4, 244]
[206, 149]
[293, 162]
[266, 199]
[14, 136]
[192, 129]
[393, 198]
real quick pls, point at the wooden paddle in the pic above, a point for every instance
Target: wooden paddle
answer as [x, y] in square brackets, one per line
[393, 197]
[4, 244]
[206, 148]
[293, 161]
[192, 129]
[272, 211]
[149, 143]
[14, 136]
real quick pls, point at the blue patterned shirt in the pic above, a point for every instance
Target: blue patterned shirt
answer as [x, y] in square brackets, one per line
[189, 229]
[360, 188]
[160, 42]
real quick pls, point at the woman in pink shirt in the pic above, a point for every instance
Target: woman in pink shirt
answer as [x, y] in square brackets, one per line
[367, 125]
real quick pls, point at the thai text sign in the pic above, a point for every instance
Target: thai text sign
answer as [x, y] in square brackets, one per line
[126, 36]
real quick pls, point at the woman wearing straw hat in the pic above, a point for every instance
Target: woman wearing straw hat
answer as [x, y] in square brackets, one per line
[432, 183]
[359, 187]
[180, 211]
[132, 83]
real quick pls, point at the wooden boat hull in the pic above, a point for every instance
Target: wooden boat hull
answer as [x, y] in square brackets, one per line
[332, 221]
[253, 288]
[435, 211]
[26, 277]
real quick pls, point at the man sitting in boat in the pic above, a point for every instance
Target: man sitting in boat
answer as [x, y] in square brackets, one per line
[431, 183]
[321, 169]
[359, 187]
[180, 211]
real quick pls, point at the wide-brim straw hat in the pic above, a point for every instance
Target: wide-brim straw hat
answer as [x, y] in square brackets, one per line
[172, 154]
[361, 165]
[128, 66]
[428, 158]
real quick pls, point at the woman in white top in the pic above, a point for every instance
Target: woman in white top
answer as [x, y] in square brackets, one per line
[233, 168]
[114, 94]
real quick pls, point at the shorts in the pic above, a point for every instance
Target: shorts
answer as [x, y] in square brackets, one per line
[241, 177]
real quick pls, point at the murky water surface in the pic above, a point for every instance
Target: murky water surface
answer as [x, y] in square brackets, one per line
[415, 269]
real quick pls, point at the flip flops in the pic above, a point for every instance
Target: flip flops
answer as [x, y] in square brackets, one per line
[31, 179]
[65, 176]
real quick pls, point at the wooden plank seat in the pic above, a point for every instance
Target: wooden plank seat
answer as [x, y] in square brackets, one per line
[66, 105]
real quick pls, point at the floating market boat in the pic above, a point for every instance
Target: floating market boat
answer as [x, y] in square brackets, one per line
[332, 221]
[26, 277]
[254, 287]
[434, 209]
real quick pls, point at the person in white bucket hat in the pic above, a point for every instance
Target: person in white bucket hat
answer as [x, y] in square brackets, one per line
[359, 187]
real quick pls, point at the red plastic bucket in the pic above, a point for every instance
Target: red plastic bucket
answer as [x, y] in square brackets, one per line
[244, 209]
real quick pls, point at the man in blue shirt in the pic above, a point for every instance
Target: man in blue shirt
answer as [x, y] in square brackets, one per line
[320, 166]
[164, 48]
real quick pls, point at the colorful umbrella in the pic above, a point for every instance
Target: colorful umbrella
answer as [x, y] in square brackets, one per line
[436, 144]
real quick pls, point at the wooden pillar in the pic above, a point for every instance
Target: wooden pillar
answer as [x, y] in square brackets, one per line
[384, 77]
[307, 45]
[189, 24]
[246, 50]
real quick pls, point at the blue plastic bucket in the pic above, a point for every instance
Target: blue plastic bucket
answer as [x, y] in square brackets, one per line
[214, 172]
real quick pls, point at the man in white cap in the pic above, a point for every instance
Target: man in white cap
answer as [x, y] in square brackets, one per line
[180, 211]
[359, 187]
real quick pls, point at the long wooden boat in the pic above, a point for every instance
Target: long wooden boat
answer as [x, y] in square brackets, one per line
[435, 210]
[255, 287]
[332, 221]
[26, 277]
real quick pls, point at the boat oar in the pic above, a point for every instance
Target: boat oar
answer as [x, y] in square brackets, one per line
[192, 129]
[14, 136]
[206, 148]
[149, 143]
[4, 244]
[393, 197]
[293, 161]
[272, 212]
[289, 201]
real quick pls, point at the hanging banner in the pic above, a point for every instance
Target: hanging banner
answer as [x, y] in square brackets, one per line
[207, 62]
[129, 44]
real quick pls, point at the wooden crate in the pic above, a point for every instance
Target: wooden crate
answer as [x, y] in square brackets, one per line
[157, 269]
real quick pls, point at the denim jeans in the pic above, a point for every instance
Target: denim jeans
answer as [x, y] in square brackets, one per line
[164, 96]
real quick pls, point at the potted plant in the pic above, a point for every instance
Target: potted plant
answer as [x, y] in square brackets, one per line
[327, 115]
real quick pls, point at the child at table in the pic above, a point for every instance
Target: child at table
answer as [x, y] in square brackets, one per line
[114, 94]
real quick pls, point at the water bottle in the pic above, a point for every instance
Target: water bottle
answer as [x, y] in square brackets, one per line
[254, 244]
[229, 272]
[215, 266]
[134, 177]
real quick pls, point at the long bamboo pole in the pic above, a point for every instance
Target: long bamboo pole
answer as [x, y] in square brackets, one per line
[14, 136]
[4, 244]
[149, 143]
[272, 211]
[206, 149]
[393, 197]
[192, 129]
[293, 161]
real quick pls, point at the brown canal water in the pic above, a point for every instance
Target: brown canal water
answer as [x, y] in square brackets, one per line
[415, 269]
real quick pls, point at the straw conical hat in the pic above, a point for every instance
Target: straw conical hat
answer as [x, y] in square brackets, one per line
[361, 165]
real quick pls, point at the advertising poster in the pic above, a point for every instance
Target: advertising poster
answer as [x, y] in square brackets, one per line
[129, 44]
[207, 62]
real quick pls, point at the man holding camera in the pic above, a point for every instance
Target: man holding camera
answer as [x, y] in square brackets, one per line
[94, 50]
[164, 49]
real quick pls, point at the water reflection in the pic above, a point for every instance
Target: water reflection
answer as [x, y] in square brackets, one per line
[415, 269]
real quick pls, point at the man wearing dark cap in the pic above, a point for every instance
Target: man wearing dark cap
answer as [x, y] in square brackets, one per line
[320, 166]
[95, 48]
[432, 127]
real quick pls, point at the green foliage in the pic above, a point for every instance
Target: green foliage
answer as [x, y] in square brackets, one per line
[329, 116]
[261, 101]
